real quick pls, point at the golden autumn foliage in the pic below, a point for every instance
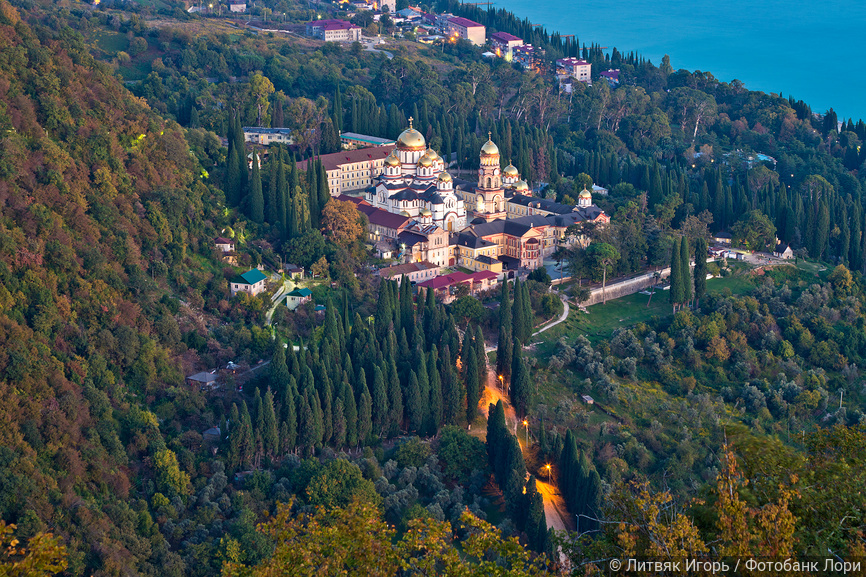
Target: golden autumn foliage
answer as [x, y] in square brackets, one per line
[355, 541]
[42, 556]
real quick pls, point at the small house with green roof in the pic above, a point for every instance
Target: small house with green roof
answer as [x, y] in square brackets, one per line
[252, 282]
[298, 297]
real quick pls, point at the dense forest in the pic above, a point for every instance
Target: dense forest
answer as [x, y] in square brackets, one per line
[114, 183]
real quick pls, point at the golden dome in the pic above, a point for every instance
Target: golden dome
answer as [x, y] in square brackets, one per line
[426, 212]
[404, 213]
[426, 161]
[585, 193]
[489, 149]
[445, 177]
[392, 159]
[431, 154]
[521, 185]
[411, 139]
[511, 170]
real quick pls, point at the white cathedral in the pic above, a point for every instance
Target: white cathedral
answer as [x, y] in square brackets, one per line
[414, 183]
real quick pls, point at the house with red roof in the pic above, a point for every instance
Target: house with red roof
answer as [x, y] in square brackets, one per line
[576, 68]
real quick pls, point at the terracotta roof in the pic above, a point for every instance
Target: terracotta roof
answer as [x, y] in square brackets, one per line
[221, 240]
[484, 275]
[332, 24]
[465, 22]
[334, 160]
[505, 37]
[409, 267]
[446, 280]
[384, 218]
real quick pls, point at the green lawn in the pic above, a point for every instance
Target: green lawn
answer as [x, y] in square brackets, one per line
[111, 43]
[627, 311]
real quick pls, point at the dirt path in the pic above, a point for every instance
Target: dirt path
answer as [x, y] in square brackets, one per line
[561, 318]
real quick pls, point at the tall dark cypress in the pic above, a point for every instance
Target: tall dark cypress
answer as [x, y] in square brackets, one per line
[272, 204]
[685, 270]
[504, 350]
[675, 294]
[379, 410]
[470, 381]
[520, 386]
[700, 270]
[233, 179]
[256, 199]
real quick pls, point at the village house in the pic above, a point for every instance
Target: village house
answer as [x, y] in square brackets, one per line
[252, 282]
[224, 244]
[297, 297]
[267, 136]
[204, 380]
[294, 271]
[783, 251]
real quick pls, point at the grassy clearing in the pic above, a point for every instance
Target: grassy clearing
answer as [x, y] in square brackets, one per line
[627, 311]
[111, 43]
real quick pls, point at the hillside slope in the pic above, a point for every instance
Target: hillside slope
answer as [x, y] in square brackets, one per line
[101, 203]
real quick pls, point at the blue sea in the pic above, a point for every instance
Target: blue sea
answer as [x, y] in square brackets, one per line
[811, 50]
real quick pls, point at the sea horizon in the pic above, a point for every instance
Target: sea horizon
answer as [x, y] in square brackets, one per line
[769, 46]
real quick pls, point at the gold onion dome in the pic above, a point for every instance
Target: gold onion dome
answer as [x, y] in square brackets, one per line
[511, 170]
[444, 177]
[425, 161]
[411, 139]
[489, 149]
[431, 154]
[392, 159]
[426, 212]
[521, 185]
[585, 193]
[404, 213]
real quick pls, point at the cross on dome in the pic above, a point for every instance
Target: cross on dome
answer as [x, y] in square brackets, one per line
[410, 121]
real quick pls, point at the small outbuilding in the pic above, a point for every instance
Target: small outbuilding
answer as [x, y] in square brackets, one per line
[783, 251]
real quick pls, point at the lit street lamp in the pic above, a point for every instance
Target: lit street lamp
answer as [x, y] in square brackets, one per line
[526, 426]
[501, 383]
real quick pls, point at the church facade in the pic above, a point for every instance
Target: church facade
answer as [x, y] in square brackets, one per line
[414, 183]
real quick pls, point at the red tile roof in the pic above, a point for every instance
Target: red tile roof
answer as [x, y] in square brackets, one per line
[505, 37]
[332, 25]
[483, 275]
[221, 240]
[465, 22]
[334, 160]
[446, 280]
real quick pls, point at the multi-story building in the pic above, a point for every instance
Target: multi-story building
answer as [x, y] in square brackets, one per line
[527, 55]
[414, 183]
[464, 28]
[414, 271]
[502, 43]
[353, 140]
[334, 30]
[576, 68]
[266, 136]
[353, 169]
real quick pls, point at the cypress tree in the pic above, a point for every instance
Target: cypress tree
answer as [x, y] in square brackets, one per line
[379, 409]
[272, 205]
[338, 110]
[685, 269]
[289, 429]
[322, 186]
[339, 426]
[473, 389]
[518, 328]
[700, 270]
[229, 431]
[520, 389]
[257, 200]
[306, 426]
[282, 197]
[435, 412]
[676, 291]
[246, 442]
[350, 412]
[414, 408]
[233, 179]
[481, 356]
[528, 315]
[451, 397]
[504, 348]
[365, 419]
[395, 400]
[313, 193]
[270, 434]
[854, 258]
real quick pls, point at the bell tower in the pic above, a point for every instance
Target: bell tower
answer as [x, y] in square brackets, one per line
[489, 194]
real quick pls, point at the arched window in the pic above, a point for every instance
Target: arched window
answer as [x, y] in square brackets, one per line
[488, 182]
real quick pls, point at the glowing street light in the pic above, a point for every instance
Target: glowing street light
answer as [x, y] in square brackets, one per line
[526, 426]
[547, 468]
[501, 382]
